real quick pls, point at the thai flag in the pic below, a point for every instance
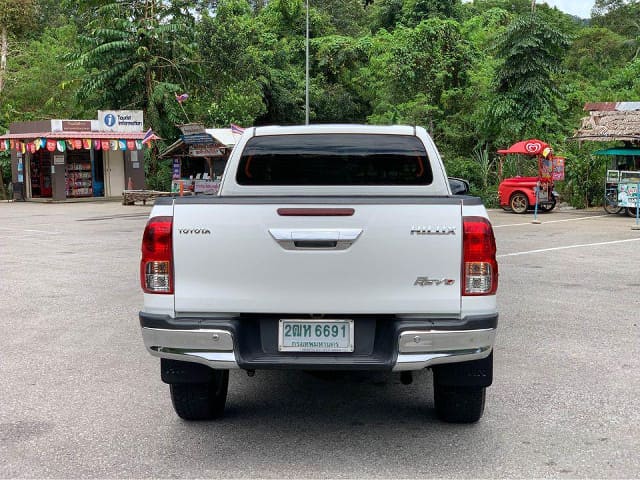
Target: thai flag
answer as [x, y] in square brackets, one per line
[148, 136]
[236, 129]
[182, 98]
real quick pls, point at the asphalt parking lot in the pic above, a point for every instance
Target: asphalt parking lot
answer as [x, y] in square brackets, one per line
[80, 397]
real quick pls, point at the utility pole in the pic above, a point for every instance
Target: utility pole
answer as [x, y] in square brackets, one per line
[306, 92]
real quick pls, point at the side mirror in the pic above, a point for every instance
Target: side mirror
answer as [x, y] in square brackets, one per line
[459, 186]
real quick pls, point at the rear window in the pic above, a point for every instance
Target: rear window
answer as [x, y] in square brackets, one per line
[334, 159]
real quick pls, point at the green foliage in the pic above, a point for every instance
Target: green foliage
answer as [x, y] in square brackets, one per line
[385, 14]
[241, 104]
[531, 51]
[39, 85]
[619, 16]
[18, 16]
[478, 75]
[415, 11]
[138, 54]
[584, 177]
[595, 53]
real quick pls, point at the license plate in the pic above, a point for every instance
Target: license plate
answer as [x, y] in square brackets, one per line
[335, 335]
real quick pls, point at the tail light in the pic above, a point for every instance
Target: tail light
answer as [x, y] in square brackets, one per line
[480, 268]
[156, 266]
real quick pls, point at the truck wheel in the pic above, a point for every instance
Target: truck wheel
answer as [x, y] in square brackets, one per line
[519, 202]
[459, 404]
[201, 401]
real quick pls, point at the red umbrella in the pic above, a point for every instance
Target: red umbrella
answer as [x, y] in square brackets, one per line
[528, 147]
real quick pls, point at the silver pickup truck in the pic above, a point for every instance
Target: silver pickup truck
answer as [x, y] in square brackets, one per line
[333, 247]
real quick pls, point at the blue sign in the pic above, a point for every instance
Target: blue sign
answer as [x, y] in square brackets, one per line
[109, 119]
[176, 169]
[198, 139]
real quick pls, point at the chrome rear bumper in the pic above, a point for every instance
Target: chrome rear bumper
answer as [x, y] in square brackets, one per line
[417, 349]
[211, 347]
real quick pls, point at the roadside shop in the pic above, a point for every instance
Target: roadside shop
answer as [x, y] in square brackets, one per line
[71, 159]
[617, 124]
[199, 157]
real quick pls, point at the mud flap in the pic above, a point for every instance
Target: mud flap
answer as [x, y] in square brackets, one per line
[476, 373]
[175, 371]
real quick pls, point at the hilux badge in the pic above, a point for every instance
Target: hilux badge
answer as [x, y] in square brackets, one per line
[433, 230]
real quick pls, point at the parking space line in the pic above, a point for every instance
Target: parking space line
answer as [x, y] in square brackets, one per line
[552, 221]
[29, 230]
[567, 247]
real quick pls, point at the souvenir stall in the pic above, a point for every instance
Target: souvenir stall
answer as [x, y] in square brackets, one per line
[622, 181]
[617, 122]
[199, 157]
[72, 159]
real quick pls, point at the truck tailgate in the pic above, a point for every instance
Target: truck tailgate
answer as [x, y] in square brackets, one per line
[401, 258]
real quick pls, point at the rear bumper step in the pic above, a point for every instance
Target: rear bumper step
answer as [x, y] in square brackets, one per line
[382, 343]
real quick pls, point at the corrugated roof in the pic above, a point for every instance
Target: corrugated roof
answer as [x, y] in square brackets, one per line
[224, 136]
[221, 135]
[611, 106]
[600, 106]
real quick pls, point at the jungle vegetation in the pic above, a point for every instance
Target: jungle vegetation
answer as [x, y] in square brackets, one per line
[477, 75]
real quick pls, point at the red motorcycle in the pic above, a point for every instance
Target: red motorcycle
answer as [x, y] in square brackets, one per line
[519, 194]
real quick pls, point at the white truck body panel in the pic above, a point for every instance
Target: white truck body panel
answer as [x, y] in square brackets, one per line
[240, 267]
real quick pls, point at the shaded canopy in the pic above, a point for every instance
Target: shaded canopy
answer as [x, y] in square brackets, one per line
[528, 147]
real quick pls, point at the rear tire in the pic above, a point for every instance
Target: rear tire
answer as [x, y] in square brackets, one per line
[547, 209]
[631, 212]
[519, 202]
[201, 401]
[459, 404]
[611, 202]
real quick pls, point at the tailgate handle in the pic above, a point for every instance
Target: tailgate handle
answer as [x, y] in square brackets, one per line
[315, 239]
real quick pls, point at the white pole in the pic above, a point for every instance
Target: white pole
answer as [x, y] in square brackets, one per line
[306, 93]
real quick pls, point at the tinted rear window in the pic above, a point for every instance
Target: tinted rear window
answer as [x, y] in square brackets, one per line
[334, 159]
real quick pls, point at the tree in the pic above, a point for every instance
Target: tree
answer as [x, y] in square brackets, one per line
[15, 17]
[531, 52]
[417, 10]
[138, 54]
[40, 85]
[595, 53]
[620, 16]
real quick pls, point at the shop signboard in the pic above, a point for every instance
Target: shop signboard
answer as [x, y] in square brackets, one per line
[628, 194]
[58, 159]
[558, 169]
[120, 120]
[207, 187]
[204, 151]
[76, 125]
[176, 169]
[192, 129]
[195, 134]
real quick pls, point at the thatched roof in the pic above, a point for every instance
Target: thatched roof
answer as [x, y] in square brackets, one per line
[610, 121]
